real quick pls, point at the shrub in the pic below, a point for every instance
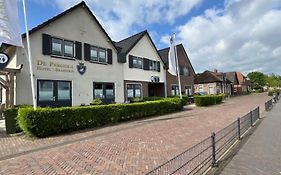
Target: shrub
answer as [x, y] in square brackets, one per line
[96, 101]
[206, 100]
[11, 119]
[271, 92]
[134, 100]
[152, 98]
[49, 121]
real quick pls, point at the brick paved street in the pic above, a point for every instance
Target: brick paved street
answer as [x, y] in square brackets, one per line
[128, 148]
[261, 153]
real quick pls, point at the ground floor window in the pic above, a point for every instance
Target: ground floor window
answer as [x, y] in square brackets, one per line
[54, 93]
[133, 91]
[188, 90]
[104, 91]
[175, 90]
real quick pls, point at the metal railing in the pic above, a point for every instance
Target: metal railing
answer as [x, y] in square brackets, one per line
[268, 105]
[205, 154]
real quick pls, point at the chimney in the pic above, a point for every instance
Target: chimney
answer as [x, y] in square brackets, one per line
[216, 70]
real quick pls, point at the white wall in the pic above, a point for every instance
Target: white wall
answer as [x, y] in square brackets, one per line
[78, 26]
[145, 49]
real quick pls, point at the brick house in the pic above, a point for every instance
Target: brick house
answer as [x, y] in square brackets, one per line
[240, 83]
[187, 73]
[212, 83]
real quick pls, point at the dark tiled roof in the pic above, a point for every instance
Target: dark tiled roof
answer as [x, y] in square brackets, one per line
[81, 4]
[206, 77]
[165, 52]
[127, 44]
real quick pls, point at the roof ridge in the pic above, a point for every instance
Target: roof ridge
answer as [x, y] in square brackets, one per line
[144, 31]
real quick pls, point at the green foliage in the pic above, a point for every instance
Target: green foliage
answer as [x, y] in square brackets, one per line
[96, 101]
[135, 100]
[271, 92]
[184, 99]
[44, 122]
[152, 98]
[273, 80]
[206, 100]
[258, 80]
[11, 121]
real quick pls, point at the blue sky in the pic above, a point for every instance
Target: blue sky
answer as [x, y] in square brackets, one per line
[226, 35]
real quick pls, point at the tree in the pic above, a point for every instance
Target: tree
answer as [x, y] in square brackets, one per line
[257, 79]
[273, 80]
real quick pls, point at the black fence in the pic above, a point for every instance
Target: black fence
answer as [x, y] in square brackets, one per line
[205, 154]
[268, 105]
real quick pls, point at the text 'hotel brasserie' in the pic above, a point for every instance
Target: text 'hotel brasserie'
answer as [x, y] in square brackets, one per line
[75, 61]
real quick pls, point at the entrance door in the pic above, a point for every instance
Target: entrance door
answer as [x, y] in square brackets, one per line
[54, 93]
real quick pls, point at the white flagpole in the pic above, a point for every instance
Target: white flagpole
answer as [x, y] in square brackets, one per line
[29, 57]
[177, 66]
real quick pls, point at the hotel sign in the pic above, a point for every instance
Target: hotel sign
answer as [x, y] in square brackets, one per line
[52, 66]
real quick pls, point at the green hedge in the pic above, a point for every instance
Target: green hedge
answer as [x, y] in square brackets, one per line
[49, 121]
[11, 120]
[206, 100]
[154, 98]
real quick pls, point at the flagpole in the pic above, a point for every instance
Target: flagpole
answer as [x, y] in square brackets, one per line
[177, 66]
[29, 57]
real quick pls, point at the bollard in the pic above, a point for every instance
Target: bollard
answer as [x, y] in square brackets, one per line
[214, 161]
[239, 129]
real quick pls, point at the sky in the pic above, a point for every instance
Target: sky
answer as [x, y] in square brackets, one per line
[227, 35]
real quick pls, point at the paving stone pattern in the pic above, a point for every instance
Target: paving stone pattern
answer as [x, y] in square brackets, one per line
[128, 148]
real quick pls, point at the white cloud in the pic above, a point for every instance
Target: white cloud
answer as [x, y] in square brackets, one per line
[120, 17]
[243, 36]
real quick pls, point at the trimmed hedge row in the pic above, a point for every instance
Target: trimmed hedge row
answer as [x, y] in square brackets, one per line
[207, 100]
[44, 122]
[154, 98]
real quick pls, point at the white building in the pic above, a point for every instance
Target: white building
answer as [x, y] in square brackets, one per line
[74, 61]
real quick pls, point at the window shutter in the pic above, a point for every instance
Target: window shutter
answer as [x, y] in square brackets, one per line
[78, 50]
[109, 56]
[87, 52]
[46, 44]
[145, 64]
[158, 66]
[130, 61]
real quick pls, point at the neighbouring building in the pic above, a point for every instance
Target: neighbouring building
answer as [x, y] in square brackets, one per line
[187, 73]
[212, 83]
[143, 68]
[240, 83]
[74, 61]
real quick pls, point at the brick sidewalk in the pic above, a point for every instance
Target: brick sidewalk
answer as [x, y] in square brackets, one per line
[128, 148]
